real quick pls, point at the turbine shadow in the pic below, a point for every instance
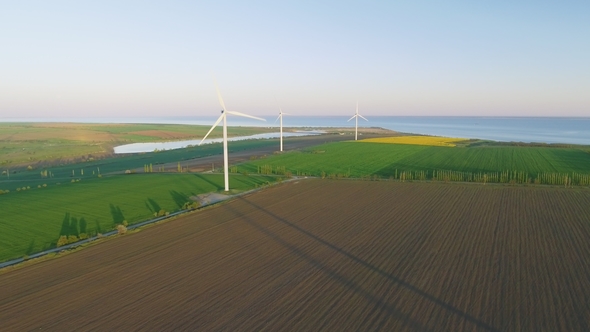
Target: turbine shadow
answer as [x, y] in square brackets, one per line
[379, 303]
[206, 179]
[480, 324]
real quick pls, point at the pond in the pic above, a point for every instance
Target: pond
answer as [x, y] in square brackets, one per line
[150, 147]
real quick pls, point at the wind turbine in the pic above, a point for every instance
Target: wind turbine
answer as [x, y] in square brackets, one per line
[356, 126]
[281, 118]
[224, 113]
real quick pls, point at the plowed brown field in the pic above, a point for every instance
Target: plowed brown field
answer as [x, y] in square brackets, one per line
[323, 255]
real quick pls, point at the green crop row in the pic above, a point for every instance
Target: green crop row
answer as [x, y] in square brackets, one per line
[10, 179]
[496, 164]
[33, 220]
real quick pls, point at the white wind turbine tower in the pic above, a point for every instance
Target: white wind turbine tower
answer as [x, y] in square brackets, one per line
[356, 126]
[281, 118]
[224, 113]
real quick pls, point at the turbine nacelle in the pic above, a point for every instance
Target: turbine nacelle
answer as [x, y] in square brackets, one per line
[281, 116]
[360, 116]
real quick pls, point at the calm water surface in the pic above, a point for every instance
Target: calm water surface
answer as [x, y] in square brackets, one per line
[150, 147]
[520, 129]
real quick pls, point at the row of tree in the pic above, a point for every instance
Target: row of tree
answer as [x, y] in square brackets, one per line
[48, 174]
[512, 177]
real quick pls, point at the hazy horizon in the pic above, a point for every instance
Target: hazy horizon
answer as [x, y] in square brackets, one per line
[142, 59]
[267, 116]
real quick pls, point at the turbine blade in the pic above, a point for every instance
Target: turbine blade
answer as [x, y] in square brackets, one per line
[246, 115]
[363, 117]
[210, 130]
[219, 95]
[354, 116]
[278, 118]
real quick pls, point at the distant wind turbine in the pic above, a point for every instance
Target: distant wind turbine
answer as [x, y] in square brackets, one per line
[281, 118]
[356, 126]
[224, 113]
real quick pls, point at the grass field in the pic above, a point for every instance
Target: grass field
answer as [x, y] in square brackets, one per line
[33, 220]
[23, 144]
[22, 177]
[357, 159]
[329, 255]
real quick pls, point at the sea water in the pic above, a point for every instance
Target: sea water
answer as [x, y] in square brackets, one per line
[519, 129]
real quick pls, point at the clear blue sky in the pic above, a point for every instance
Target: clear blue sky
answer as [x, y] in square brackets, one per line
[140, 58]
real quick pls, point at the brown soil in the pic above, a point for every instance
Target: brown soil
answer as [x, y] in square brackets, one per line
[329, 255]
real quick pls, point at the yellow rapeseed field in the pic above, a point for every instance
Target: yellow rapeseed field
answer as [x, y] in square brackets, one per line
[418, 140]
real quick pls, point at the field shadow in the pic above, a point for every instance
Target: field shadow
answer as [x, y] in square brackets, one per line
[152, 205]
[65, 225]
[74, 230]
[31, 247]
[97, 227]
[204, 178]
[179, 198]
[83, 226]
[351, 284]
[117, 214]
[49, 245]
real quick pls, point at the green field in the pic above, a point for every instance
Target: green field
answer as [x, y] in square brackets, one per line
[24, 144]
[22, 177]
[32, 220]
[34, 202]
[34, 209]
[360, 159]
